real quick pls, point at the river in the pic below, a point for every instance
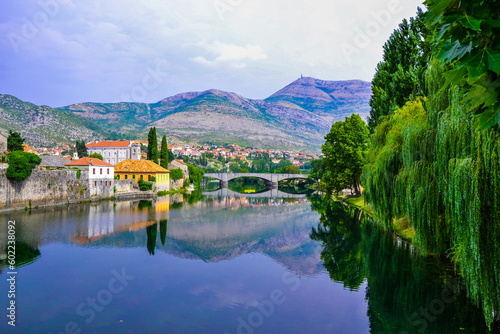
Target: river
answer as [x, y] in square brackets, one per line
[223, 265]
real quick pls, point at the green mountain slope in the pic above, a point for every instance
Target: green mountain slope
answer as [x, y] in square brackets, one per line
[43, 125]
[298, 116]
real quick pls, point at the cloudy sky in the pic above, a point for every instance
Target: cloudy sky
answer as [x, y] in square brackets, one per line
[59, 52]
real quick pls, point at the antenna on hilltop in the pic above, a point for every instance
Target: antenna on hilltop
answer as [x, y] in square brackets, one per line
[301, 76]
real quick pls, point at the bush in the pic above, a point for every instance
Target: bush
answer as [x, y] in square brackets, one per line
[176, 174]
[21, 165]
[78, 174]
[143, 185]
[195, 174]
[96, 156]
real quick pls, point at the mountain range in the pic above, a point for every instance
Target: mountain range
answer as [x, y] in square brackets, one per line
[296, 117]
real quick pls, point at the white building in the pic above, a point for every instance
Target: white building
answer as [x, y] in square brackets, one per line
[101, 175]
[114, 152]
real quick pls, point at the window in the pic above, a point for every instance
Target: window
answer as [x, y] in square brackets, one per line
[149, 177]
[93, 171]
[100, 170]
[126, 177]
[95, 184]
[108, 171]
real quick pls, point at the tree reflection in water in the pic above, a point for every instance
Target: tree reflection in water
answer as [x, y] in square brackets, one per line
[406, 292]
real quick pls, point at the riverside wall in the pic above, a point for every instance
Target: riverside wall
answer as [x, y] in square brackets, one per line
[49, 187]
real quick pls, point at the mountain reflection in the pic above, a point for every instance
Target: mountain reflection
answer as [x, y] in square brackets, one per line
[211, 230]
[406, 292]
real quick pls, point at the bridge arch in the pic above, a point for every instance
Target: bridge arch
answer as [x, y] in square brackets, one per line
[271, 178]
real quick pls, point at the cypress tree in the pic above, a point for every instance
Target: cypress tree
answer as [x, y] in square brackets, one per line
[154, 146]
[150, 143]
[164, 153]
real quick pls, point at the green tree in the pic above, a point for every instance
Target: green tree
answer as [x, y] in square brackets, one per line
[317, 170]
[400, 77]
[164, 153]
[81, 149]
[292, 170]
[176, 174]
[283, 163]
[260, 166]
[21, 165]
[344, 152]
[14, 142]
[152, 153]
[234, 167]
[97, 156]
[195, 174]
[467, 35]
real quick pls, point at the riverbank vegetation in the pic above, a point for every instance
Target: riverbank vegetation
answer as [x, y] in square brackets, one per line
[433, 159]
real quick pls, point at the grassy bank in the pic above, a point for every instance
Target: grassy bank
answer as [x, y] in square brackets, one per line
[170, 192]
[401, 226]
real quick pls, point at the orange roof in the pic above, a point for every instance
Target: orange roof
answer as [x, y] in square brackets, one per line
[26, 148]
[104, 143]
[180, 161]
[139, 166]
[86, 161]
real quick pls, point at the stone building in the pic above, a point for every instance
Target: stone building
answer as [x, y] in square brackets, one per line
[101, 175]
[114, 152]
[179, 164]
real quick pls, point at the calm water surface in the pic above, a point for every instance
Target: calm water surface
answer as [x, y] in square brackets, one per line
[223, 265]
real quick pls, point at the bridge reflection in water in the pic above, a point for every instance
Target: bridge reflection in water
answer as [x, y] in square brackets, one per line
[271, 193]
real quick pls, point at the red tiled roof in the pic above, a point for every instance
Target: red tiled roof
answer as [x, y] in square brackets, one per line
[139, 166]
[86, 161]
[122, 143]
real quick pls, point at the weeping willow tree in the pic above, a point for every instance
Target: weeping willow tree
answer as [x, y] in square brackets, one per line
[430, 163]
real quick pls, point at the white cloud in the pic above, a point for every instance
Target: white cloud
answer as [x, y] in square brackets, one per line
[231, 54]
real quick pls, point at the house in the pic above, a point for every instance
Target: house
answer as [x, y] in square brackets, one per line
[179, 164]
[28, 149]
[114, 152]
[100, 175]
[145, 169]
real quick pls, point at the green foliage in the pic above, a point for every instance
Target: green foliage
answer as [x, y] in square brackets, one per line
[400, 77]
[283, 163]
[317, 169]
[21, 165]
[195, 174]
[260, 166]
[234, 167]
[81, 149]
[14, 142]
[144, 185]
[152, 153]
[344, 152]
[97, 156]
[176, 174]
[292, 170]
[164, 159]
[78, 174]
[467, 34]
[430, 163]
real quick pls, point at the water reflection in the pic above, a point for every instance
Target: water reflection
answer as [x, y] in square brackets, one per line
[406, 293]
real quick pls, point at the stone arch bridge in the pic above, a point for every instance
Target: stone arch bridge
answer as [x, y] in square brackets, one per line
[270, 178]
